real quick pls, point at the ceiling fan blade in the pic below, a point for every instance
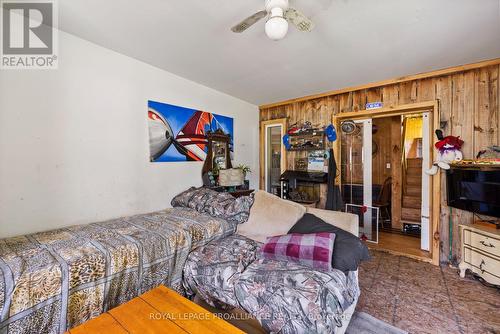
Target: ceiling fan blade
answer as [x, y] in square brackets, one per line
[248, 22]
[302, 22]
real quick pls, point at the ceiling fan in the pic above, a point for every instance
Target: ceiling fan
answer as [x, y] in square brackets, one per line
[279, 13]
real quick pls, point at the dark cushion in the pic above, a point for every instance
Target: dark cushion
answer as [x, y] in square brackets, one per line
[349, 250]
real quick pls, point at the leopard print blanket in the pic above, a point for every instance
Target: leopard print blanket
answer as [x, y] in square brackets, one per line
[55, 280]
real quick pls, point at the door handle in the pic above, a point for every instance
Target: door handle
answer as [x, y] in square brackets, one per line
[481, 266]
[482, 242]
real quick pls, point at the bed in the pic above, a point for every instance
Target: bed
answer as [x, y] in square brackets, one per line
[52, 281]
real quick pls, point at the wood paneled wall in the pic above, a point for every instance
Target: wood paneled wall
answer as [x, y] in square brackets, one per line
[383, 156]
[469, 108]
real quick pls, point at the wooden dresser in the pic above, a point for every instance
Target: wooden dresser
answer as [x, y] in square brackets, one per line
[481, 251]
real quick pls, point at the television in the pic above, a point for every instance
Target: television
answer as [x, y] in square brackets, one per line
[474, 189]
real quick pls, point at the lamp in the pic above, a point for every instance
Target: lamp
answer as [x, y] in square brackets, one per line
[276, 25]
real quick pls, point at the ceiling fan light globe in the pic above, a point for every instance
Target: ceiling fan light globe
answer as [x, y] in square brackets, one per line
[270, 4]
[276, 28]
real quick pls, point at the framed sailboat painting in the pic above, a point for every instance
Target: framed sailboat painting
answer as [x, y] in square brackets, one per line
[179, 134]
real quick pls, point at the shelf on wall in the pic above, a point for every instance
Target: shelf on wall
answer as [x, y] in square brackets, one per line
[306, 149]
[308, 133]
[302, 141]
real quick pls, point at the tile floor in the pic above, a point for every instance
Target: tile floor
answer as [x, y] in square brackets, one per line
[421, 298]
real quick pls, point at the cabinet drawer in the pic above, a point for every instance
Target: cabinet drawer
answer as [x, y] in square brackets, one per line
[482, 262]
[482, 242]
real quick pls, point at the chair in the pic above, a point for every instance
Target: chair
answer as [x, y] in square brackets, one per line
[383, 201]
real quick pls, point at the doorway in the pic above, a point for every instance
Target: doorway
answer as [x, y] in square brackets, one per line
[273, 155]
[400, 184]
[383, 158]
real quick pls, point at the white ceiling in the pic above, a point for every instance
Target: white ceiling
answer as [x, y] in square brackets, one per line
[355, 41]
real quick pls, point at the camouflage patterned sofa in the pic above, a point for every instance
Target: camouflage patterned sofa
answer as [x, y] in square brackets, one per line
[284, 297]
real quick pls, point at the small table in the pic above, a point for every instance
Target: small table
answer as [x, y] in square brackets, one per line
[235, 193]
[160, 310]
[239, 193]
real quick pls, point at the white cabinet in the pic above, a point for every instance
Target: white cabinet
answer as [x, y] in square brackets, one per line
[481, 251]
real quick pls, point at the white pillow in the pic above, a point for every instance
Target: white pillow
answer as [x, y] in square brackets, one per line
[270, 216]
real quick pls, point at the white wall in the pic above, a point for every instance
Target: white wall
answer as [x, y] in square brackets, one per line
[74, 144]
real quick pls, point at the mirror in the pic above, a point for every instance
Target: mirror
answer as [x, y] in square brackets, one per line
[218, 155]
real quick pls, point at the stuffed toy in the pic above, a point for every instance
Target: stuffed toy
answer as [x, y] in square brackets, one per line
[449, 152]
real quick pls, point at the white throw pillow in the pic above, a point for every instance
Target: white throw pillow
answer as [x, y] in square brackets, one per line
[270, 216]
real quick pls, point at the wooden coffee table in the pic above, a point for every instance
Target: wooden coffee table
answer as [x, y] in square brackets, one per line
[160, 310]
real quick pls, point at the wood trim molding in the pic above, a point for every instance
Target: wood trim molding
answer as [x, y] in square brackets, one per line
[262, 136]
[435, 192]
[400, 109]
[424, 75]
